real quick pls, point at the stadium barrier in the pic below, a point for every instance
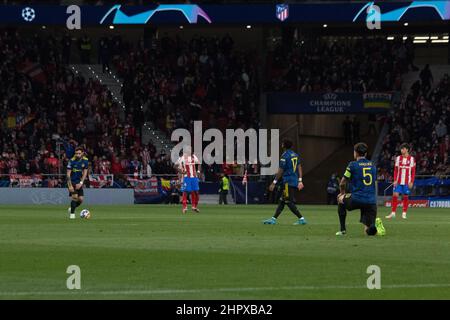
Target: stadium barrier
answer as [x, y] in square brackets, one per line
[60, 196]
[50, 189]
[428, 191]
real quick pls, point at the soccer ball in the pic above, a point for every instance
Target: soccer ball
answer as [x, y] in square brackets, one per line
[85, 214]
[28, 14]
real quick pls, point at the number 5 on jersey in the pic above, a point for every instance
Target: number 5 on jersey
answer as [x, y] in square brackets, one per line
[368, 175]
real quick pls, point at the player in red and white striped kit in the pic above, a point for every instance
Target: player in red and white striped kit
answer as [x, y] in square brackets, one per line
[404, 174]
[187, 166]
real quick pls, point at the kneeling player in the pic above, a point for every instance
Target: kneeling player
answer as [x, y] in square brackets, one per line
[361, 175]
[77, 170]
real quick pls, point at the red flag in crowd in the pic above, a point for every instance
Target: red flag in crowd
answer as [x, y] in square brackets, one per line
[244, 180]
[34, 71]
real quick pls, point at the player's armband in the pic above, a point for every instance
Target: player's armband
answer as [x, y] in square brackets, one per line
[347, 173]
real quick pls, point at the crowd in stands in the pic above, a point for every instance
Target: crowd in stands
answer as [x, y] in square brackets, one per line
[423, 119]
[178, 81]
[204, 78]
[47, 108]
[46, 105]
[318, 65]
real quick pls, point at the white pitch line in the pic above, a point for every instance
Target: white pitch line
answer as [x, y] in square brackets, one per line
[181, 291]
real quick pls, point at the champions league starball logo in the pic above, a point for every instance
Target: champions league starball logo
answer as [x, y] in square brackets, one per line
[330, 96]
[442, 8]
[28, 14]
[190, 11]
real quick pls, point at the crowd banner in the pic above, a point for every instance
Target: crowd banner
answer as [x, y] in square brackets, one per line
[147, 191]
[24, 181]
[328, 103]
[101, 180]
[166, 184]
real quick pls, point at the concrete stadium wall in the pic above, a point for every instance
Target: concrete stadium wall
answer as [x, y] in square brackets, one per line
[61, 196]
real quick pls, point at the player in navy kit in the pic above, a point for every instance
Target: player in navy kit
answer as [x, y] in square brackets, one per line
[77, 170]
[290, 171]
[361, 174]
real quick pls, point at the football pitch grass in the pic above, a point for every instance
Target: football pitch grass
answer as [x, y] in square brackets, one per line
[156, 252]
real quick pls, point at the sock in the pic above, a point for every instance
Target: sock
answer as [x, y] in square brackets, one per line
[196, 199]
[372, 230]
[279, 209]
[184, 201]
[405, 203]
[342, 216]
[193, 200]
[73, 205]
[394, 203]
[294, 209]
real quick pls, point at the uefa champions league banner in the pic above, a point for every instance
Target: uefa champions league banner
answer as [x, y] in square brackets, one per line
[334, 102]
[117, 14]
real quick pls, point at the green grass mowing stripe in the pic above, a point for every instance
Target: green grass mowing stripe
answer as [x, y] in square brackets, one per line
[221, 248]
[175, 291]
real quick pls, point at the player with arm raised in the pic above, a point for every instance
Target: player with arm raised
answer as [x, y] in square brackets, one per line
[77, 170]
[361, 174]
[189, 167]
[404, 175]
[290, 171]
